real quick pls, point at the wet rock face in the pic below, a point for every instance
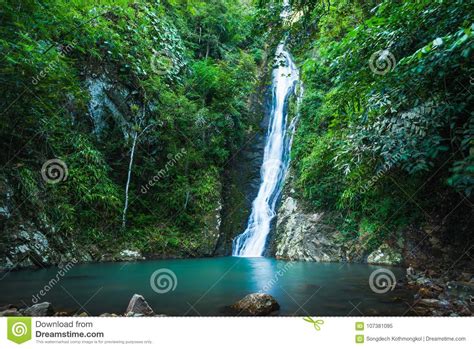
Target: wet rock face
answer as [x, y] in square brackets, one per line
[31, 244]
[242, 174]
[27, 247]
[385, 255]
[240, 187]
[27, 241]
[256, 304]
[30, 247]
[304, 236]
[107, 104]
[211, 231]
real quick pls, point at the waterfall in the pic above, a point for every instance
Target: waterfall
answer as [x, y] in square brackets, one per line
[251, 243]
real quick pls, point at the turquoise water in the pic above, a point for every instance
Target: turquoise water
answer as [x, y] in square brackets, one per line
[207, 286]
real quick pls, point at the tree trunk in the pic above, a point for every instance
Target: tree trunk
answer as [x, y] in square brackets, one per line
[129, 176]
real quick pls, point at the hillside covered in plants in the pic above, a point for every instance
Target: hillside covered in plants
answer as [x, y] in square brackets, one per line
[135, 128]
[139, 105]
[385, 139]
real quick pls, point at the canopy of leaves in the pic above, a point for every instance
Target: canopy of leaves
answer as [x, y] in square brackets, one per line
[387, 115]
[191, 64]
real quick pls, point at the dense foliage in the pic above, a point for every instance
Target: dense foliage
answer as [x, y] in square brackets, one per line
[387, 126]
[147, 101]
[182, 73]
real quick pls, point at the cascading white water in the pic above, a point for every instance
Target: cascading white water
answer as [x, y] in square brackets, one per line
[251, 243]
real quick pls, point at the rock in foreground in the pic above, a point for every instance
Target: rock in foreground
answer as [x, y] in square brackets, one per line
[138, 306]
[9, 310]
[40, 309]
[256, 304]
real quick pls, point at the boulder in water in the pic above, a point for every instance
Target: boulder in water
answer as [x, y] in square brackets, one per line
[256, 304]
[139, 306]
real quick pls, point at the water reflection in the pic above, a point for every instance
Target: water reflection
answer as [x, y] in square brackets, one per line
[264, 272]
